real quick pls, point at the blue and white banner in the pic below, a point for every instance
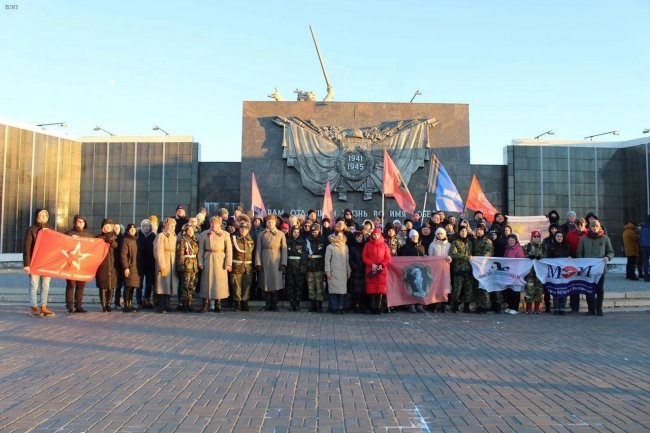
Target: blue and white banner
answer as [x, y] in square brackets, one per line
[562, 277]
[498, 273]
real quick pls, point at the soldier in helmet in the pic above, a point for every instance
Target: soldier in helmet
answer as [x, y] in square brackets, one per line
[296, 267]
[241, 276]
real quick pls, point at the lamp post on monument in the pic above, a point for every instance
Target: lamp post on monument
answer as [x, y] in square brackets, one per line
[417, 93]
[98, 128]
[61, 124]
[591, 137]
[158, 128]
[549, 132]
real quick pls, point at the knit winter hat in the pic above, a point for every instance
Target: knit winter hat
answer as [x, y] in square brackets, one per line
[414, 234]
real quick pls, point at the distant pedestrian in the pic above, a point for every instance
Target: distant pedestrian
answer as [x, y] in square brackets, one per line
[41, 219]
[74, 290]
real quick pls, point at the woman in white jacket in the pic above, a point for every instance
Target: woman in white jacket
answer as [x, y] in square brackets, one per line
[337, 270]
[440, 248]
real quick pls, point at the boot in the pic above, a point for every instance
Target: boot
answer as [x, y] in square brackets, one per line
[161, 304]
[466, 307]
[274, 301]
[319, 306]
[537, 306]
[109, 299]
[206, 305]
[103, 295]
[188, 303]
[529, 307]
[420, 309]
[236, 306]
[244, 306]
[591, 310]
[442, 307]
[296, 304]
[267, 301]
[312, 307]
[217, 306]
[168, 300]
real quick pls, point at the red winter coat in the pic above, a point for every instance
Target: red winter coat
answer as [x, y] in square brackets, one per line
[376, 252]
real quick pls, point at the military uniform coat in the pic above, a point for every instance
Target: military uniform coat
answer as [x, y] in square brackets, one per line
[215, 254]
[164, 252]
[270, 254]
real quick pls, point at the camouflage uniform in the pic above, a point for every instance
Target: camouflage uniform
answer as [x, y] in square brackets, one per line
[534, 289]
[461, 269]
[483, 247]
[315, 268]
[393, 244]
[294, 276]
[241, 277]
[187, 265]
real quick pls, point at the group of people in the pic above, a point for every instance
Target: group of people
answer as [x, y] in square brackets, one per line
[225, 258]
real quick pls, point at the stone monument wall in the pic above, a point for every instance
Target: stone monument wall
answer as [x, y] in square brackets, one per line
[283, 188]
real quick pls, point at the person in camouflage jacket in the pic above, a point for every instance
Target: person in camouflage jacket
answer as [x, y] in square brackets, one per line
[534, 290]
[483, 247]
[187, 266]
[461, 271]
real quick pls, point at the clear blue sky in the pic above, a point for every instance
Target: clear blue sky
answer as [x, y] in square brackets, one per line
[579, 67]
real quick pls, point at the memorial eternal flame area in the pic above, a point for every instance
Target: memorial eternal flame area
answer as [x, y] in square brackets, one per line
[264, 371]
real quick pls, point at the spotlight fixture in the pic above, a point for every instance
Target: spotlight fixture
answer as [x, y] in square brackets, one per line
[417, 93]
[158, 128]
[98, 128]
[549, 132]
[591, 137]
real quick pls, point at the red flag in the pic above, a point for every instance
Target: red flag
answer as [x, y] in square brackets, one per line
[70, 257]
[394, 186]
[328, 208]
[476, 200]
[418, 280]
[257, 205]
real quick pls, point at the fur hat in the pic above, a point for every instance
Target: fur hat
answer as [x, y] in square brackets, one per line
[414, 234]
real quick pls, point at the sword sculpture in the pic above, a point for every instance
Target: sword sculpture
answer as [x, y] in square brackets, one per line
[330, 88]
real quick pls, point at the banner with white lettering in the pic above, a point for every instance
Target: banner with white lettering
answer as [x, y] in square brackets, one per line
[498, 273]
[561, 277]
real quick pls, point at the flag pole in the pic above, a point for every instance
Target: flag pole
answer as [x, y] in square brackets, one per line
[426, 193]
[383, 187]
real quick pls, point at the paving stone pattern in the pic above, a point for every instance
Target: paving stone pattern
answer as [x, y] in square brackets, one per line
[307, 372]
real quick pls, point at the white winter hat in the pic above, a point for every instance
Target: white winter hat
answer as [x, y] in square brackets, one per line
[414, 234]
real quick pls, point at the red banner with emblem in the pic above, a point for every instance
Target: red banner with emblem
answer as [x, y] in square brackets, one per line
[68, 257]
[418, 280]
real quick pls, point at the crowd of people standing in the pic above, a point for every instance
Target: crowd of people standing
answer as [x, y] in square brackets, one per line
[231, 259]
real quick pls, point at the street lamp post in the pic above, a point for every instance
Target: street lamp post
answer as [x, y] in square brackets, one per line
[549, 132]
[98, 128]
[591, 137]
[61, 124]
[158, 128]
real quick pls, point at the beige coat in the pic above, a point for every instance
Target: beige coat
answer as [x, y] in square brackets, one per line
[270, 254]
[215, 254]
[337, 262]
[164, 252]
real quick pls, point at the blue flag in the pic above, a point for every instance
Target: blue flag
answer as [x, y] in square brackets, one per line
[440, 184]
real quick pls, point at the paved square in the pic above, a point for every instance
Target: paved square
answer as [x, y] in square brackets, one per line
[306, 372]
